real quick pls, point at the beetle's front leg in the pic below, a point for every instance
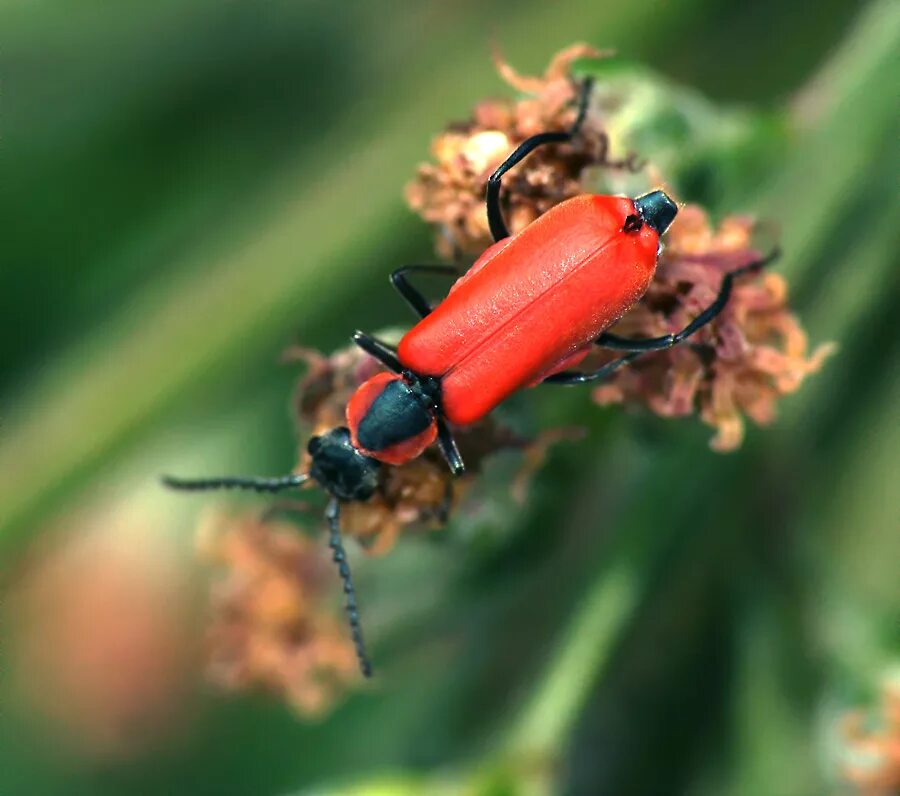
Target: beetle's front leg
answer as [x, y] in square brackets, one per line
[412, 295]
[384, 353]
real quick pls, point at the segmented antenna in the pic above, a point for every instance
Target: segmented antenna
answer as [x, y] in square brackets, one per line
[236, 482]
[333, 515]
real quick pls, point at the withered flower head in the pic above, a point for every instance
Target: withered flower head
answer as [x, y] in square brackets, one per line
[740, 364]
[273, 621]
[737, 367]
[450, 192]
[873, 764]
[420, 493]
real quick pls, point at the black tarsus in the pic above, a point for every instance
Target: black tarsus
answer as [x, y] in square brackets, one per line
[448, 446]
[384, 353]
[576, 377]
[253, 483]
[617, 343]
[499, 230]
[411, 294]
[333, 516]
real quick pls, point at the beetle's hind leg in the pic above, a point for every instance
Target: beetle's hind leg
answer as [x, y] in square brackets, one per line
[565, 377]
[499, 230]
[617, 343]
[636, 347]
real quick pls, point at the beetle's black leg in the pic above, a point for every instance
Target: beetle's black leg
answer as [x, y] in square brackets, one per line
[498, 226]
[575, 377]
[448, 447]
[641, 346]
[384, 353]
[278, 484]
[410, 293]
[617, 343]
[333, 516]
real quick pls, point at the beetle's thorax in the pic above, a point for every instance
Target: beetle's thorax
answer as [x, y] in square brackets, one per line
[392, 417]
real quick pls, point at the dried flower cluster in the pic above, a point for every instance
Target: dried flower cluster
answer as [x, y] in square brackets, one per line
[738, 366]
[271, 626]
[741, 364]
[274, 617]
[450, 192]
[273, 622]
[874, 767]
[416, 495]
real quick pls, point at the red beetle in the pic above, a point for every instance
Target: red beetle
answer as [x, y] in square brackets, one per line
[528, 310]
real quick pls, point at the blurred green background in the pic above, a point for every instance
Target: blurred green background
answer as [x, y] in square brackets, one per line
[189, 186]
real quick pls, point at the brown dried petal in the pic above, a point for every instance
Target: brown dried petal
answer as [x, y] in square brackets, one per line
[751, 355]
[450, 192]
[271, 623]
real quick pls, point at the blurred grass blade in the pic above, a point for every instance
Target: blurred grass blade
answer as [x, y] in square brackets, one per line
[583, 649]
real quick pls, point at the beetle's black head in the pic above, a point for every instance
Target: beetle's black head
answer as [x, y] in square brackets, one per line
[656, 210]
[341, 469]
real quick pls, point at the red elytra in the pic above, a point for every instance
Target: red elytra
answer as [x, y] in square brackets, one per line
[532, 304]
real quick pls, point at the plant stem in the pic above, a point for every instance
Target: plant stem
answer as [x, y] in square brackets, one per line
[583, 651]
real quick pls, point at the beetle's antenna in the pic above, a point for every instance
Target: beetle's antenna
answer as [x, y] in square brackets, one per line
[333, 515]
[253, 483]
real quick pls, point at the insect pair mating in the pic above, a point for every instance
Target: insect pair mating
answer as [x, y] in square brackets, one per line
[530, 308]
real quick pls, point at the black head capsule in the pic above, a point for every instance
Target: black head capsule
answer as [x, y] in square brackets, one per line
[656, 210]
[341, 469]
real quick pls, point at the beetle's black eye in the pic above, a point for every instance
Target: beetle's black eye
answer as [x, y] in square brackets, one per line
[313, 445]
